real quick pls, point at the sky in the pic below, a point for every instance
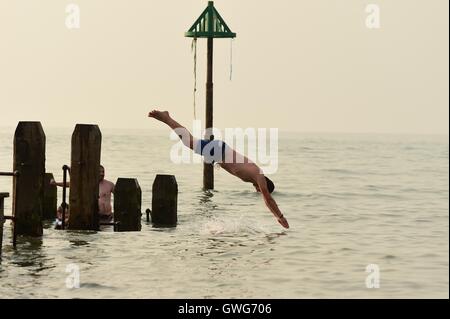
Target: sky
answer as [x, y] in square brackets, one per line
[307, 66]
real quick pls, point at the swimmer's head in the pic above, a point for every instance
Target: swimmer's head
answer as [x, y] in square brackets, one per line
[102, 173]
[270, 185]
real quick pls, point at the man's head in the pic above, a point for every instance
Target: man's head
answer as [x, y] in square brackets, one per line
[102, 173]
[270, 185]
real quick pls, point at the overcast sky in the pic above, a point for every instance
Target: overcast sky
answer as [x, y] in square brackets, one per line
[310, 65]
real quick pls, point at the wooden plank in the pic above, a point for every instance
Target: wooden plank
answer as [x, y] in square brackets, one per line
[84, 177]
[29, 160]
[127, 204]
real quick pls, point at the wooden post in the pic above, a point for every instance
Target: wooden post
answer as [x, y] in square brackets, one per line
[85, 177]
[50, 198]
[147, 213]
[29, 160]
[209, 25]
[208, 169]
[127, 204]
[164, 201]
[2, 218]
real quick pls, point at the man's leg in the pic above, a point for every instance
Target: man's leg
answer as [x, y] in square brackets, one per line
[184, 134]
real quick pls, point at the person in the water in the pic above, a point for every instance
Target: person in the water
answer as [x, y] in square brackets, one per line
[230, 160]
[106, 188]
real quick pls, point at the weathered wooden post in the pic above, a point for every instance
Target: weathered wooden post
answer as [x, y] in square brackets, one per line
[127, 204]
[85, 177]
[147, 215]
[2, 218]
[50, 202]
[164, 201]
[29, 160]
[209, 25]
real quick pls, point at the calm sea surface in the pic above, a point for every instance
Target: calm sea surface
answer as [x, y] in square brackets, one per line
[351, 200]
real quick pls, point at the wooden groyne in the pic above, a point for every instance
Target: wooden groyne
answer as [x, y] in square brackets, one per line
[28, 190]
[127, 205]
[84, 177]
[35, 197]
[164, 201]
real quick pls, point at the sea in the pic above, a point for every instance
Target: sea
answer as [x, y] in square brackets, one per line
[368, 214]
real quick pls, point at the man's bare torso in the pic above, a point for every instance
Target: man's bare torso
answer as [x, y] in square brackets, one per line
[240, 166]
[104, 200]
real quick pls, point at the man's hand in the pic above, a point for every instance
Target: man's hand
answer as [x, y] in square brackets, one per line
[52, 182]
[283, 222]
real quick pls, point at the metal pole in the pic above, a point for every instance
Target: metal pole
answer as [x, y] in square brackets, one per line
[64, 204]
[16, 175]
[208, 171]
[7, 173]
[2, 219]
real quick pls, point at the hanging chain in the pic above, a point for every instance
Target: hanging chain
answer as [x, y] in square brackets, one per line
[194, 49]
[231, 59]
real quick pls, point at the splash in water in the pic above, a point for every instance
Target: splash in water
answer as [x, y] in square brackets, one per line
[224, 227]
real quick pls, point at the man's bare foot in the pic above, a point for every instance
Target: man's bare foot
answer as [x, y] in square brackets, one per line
[162, 116]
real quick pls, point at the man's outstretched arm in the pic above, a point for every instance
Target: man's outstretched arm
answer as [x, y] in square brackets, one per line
[270, 202]
[53, 182]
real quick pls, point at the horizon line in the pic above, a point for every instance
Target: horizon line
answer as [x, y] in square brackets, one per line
[280, 130]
